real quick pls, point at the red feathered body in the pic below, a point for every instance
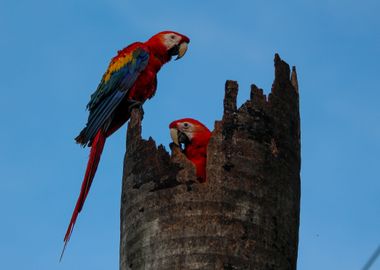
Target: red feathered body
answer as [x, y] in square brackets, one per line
[196, 152]
[131, 78]
[145, 86]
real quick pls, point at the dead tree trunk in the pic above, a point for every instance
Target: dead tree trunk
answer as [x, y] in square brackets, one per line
[246, 216]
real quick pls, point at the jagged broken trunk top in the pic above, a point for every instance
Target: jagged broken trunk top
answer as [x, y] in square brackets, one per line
[246, 216]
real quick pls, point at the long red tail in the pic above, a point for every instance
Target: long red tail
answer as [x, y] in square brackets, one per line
[92, 165]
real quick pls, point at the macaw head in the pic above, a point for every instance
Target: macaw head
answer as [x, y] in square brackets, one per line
[170, 43]
[188, 131]
[194, 136]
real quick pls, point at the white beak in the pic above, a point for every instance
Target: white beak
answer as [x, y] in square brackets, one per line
[182, 50]
[174, 135]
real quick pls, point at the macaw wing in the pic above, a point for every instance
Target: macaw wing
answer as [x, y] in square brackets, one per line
[120, 76]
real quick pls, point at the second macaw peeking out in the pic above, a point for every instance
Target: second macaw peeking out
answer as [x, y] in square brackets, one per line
[195, 137]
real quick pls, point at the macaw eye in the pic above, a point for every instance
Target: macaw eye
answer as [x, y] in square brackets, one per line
[185, 125]
[172, 36]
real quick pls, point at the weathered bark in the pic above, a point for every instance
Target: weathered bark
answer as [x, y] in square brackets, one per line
[246, 216]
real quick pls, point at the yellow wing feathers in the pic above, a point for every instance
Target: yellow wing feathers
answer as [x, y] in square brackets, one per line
[117, 63]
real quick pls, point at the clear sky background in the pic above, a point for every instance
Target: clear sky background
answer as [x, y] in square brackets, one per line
[53, 54]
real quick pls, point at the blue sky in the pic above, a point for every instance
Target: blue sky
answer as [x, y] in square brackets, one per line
[53, 54]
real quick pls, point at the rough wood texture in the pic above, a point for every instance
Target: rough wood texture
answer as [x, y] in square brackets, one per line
[247, 214]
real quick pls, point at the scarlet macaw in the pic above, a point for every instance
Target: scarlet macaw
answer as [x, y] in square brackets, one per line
[195, 137]
[129, 80]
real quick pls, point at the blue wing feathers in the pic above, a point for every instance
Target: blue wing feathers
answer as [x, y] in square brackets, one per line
[109, 94]
[96, 122]
[140, 59]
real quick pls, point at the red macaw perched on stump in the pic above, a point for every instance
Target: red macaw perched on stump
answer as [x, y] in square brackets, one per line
[195, 137]
[129, 81]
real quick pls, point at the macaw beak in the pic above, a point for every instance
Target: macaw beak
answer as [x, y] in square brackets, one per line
[174, 135]
[182, 50]
[178, 137]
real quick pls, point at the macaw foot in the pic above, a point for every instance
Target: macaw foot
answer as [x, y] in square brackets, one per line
[135, 104]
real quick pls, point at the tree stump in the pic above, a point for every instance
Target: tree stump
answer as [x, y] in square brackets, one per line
[246, 216]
